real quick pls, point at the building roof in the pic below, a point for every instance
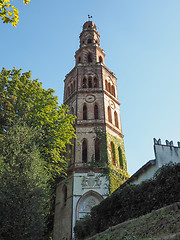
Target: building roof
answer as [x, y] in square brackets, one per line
[139, 172]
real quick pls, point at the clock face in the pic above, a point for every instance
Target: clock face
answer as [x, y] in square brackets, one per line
[90, 98]
[112, 105]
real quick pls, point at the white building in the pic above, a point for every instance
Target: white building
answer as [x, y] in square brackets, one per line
[163, 154]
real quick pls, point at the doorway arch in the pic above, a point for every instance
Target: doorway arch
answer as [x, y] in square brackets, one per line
[86, 203]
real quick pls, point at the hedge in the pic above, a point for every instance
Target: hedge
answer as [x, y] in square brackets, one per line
[133, 201]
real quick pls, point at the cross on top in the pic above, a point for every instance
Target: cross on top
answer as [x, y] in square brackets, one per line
[89, 17]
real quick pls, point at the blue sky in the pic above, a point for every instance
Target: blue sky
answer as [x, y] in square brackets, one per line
[141, 40]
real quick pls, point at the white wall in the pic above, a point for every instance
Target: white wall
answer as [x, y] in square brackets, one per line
[80, 189]
[145, 175]
[163, 154]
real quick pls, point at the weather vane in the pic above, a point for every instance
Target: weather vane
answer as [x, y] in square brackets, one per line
[89, 17]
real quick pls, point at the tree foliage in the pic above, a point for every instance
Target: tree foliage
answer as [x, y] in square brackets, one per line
[23, 98]
[24, 191]
[9, 13]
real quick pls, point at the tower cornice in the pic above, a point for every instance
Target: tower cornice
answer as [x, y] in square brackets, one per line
[111, 97]
[80, 65]
[89, 30]
[86, 46]
[114, 129]
[104, 66]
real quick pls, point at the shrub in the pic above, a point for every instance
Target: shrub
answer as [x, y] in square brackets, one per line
[83, 227]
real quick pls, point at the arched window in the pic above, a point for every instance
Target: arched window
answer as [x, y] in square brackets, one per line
[84, 84]
[90, 82]
[96, 113]
[110, 90]
[64, 191]
[71, 88]
[97, 150]
[113, 91]
[100, 59]
[95, 82]
[84, 151]
[109, 87]
[113, 154]
[89, 41]
[89, 58]
[116, 119]
[106, 85]
[68, 91]
[120, 157]
[109, 115]
[84, 112]
[79, 60]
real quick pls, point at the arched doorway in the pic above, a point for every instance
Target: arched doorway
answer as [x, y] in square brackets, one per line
[86, 202]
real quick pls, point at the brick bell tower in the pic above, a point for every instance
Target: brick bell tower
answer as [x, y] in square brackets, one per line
[97, 157]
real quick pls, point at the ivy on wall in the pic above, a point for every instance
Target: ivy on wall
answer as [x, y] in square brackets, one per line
[116, 174]
[119, 151]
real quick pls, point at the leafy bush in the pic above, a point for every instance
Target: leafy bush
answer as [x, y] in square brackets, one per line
[83, 227]
[133, 201]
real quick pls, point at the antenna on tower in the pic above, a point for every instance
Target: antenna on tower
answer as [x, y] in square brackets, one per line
[89, 17]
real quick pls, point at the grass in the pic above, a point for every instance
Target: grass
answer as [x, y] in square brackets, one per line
[159, 223]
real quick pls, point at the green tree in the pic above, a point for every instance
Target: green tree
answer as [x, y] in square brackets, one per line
[9, 13]
[21, 97]
[24, 191]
